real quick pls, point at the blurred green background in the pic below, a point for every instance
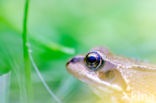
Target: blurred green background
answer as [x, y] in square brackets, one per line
[57, 28]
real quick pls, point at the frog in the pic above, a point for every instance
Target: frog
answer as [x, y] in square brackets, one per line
[114, 78]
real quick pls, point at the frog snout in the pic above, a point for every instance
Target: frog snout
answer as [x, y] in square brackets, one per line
[75, 65]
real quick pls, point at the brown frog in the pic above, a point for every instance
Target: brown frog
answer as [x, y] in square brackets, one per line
[116, 79]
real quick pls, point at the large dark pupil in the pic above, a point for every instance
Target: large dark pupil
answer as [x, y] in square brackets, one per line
[91, 59]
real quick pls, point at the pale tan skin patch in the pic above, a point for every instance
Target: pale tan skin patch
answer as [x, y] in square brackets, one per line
[121, 79]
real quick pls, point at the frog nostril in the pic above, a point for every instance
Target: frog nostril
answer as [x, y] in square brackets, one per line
[73, 60]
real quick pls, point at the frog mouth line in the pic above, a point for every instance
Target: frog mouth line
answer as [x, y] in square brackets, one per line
[94, 80]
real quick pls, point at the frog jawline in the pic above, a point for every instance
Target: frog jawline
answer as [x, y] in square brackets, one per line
[102, 83]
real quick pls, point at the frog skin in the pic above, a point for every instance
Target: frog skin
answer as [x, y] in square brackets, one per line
[116, 79]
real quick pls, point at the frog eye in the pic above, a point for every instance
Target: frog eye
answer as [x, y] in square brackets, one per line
[93, 60]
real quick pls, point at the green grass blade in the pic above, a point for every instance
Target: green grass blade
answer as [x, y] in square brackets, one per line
[27, 68]
[43, 81]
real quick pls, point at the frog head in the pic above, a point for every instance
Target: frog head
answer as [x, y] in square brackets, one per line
[96, 69]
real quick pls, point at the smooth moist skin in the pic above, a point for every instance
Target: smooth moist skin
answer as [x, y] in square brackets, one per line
[123, 79]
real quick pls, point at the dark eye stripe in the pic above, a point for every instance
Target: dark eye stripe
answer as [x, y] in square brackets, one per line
[93, 60]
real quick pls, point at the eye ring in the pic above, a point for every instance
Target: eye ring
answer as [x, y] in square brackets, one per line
[93, 60]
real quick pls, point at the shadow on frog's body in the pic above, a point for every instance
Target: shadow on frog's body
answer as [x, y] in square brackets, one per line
[115, 78]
